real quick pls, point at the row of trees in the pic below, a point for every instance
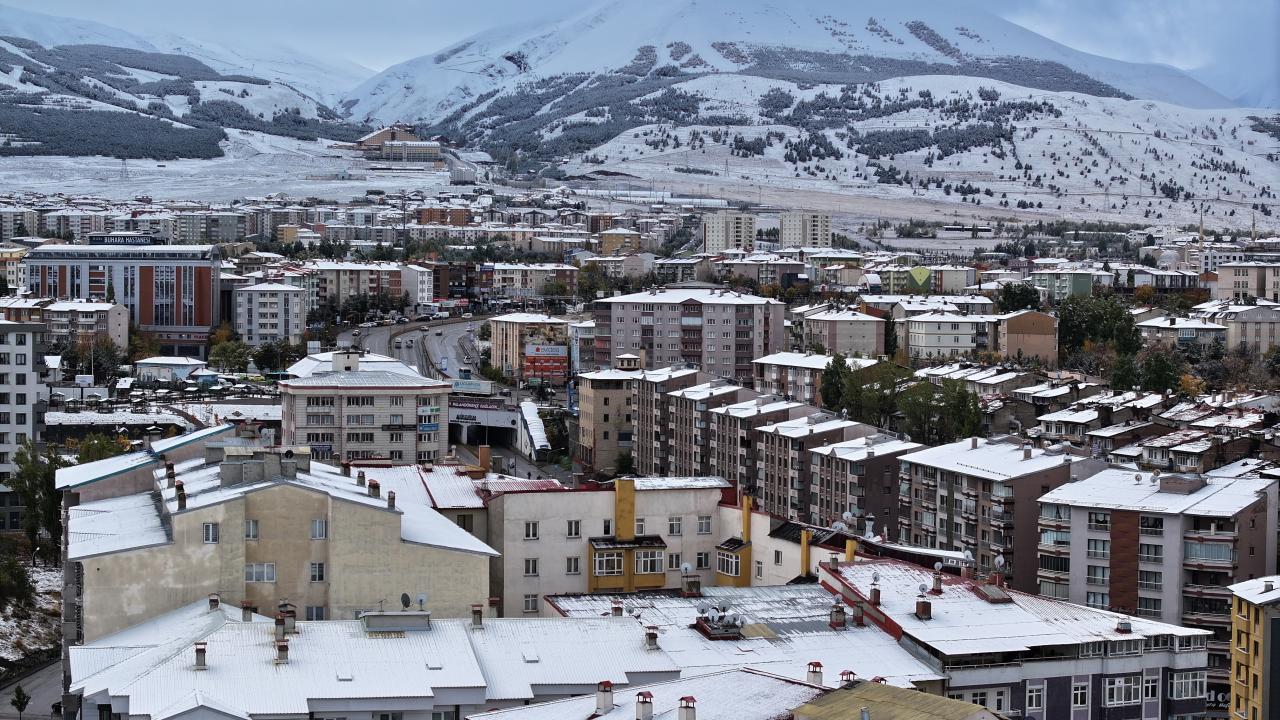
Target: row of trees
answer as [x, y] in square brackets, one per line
[879, 394]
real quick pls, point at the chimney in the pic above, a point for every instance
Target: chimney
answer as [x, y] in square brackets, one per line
[359, 476]
[290, 622]
[937, 582]
[214, 601]
[846, 678]
[477, 615]
[814, 675]
[837, 616]
[181, 493]
[169, 474]
[651, 637]
[973, 443]
[391, 499]
[484, 457]
[875, 596]
[279, 626]
[1268, 586]
[604, 697]
[924, 609]
[346, 469]
[644, 705]
[856, 610]
[282, 652]
[1026, 452]
[246, 611]
[1124, 626]
[617, 608]
[687, 710]
[864, 714]
[375, 488]
[201, 654]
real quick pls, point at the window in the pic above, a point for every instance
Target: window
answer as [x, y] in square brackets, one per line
[673, 562]
[319, 529]
[1097, 575]
[1100, 549]
[1035, 698]
[1150, 580]
[315, 612]
[1080, 695]
[639, 526]
[759, 569]
[704, 524]
[530, 567]
[211, 533]
[702, 561]
[608, 563]
[531, 603]
[1151, 688]
[250, 529]
[531, 530]
[649, 562]
[1100, 521]
[1097, 600]
[571, 566]
[608, 527]
[260, 572]
[728, 563]
[317, 572]
[1187, 685]
[1120, 691]
[1121, 648]
[1150, 553]
[1148, 525]
[1149, 607]
[674, 524]
[777, 557]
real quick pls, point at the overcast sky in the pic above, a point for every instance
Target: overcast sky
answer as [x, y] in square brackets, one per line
[1183, 33]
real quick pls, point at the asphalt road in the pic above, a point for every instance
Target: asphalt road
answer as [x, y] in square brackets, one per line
[44, 687]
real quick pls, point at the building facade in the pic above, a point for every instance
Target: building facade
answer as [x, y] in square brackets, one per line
[270, 312]
[729, 231]
[804, 229]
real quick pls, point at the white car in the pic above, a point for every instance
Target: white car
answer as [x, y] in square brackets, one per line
[368, 324]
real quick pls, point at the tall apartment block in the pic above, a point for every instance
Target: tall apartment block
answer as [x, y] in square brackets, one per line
[729, 231]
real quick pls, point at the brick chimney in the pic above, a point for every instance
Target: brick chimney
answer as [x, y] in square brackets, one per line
[616, 608]
[391, 499]
[814, 674]
[375, 488]
[279, 626]
[644, 705]
[181, 493]
[214, 601]
[837, 616]
[170, 474]
[924, 608]
[477, 615]
[359, 478]
[282, 652]
[201, 654]
[651, 637]
[687, 710]
[246, 611]
[604, 697]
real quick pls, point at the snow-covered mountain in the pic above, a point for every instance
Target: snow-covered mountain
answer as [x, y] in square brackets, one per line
[801, 40]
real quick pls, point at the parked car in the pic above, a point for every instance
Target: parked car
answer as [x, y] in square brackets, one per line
[368, 324]
[439, 333]
[398, 344]
[467, 316]
[424, 318]
[402, 320]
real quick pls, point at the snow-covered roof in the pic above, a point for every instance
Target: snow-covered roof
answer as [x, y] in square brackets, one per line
[1070, 416]
[453, 487]
[163, 361]
[1255, 590]
[713, 296]
[86, 473]
[784, 628]
[843, 316]
[1117, 429]
[812, 361]
[529, 318]
[1117, 489]
[859, 449]
[533, 421]
[758, 406]
[320, 363]
[271, 287]
[127, 418]
[705, 391]
[989, 460]
[964, 622]
[681, 483]
[801, 427]
[1179, 323]
[370, 379]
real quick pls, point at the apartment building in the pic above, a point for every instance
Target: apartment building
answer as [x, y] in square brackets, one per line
[1028, 334]
[374, 417]
[256, 525]
[1182, 331]
[784, 461]
[339, 281]
[11, 265]
[798, 376]
[1164, 546]
[526, 280]
[270, 312]
[979, 495]
[1253, 327]
[1066, 662]
[858, 477]
[1058, 285]
[680, 270]
[941, 335]
[22, 403]
[804, 229]
[731, 434]
[689, 419]
[1255, 634]
[18, 222]
[419, 282]
[78, 322]
[530, 346]
[1239, 281]
[845, 331]
[606, 423]
[633, 534]
[171, 291]
[728, 231]
[718, 331]
[651, 444]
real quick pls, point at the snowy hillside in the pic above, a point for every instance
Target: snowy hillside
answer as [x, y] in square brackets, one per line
[988, 147]
[614, 43]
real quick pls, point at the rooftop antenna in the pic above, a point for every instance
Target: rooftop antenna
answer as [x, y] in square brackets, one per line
[422, 601]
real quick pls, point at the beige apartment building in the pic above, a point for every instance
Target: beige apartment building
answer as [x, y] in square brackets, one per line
[79, 322]
[784, 460]
[368, 416]
[845, 331]
[1238, 281]
[530, 345]
[804, 229]
[689, 420]
[651, 444]
[261, 526]
[716, 330]
[338, 281]
[728, 231]
[606, 415]
[1028, 334]
[731, 439]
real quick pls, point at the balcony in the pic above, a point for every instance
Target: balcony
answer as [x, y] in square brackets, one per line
[1211, 535]
[1205, 618]
[1197, 563]
[1054, 548]
[1001, 518]
[1054, 575]
[1216, 591]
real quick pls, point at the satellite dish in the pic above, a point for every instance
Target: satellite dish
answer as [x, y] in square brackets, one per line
[422, 601]
[724, 607]
[702, 609]
[968, 555]
[288, 454]
[923, 588]
[839, 526]
[686, 568]
[404, 600]
[999, 561]
[938, 566]
[875, 577]
[847, 516]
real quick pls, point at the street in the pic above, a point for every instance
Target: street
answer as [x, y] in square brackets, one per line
[45, 688]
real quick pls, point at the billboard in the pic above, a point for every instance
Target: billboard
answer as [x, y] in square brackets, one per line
[477, 387]
[84, 380]
[532, 350]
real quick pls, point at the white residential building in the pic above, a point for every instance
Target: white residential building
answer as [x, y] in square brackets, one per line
[944, 335]
[22, 398]
[270, 312]
[419, 282]
[729, 231]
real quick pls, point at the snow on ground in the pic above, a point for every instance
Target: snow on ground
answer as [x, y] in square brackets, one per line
[263, 100]
[27, 630]
[1089, 160]
[13, 79]
[255, 164]
[144, 76]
